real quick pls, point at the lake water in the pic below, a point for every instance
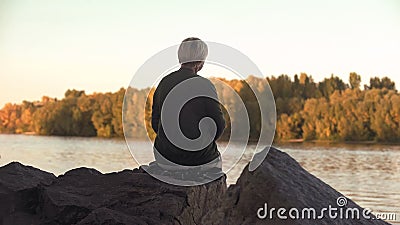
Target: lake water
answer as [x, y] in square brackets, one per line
[368, 174]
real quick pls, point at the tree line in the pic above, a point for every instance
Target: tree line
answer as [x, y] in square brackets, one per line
[330, 110]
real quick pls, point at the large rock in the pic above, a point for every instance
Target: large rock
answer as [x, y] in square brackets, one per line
[19, 194]
[125, 196]
[86, 196]
[281, 182]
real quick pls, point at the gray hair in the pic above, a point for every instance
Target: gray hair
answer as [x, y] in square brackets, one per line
[192, 50]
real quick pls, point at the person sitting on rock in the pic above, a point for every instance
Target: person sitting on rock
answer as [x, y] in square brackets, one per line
[186, 114]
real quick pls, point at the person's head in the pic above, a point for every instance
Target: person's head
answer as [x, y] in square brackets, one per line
[192, 53]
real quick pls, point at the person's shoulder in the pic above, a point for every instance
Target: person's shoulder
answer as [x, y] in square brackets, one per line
[208, 82]
[205, 84]
[168, 77]
[205, 80]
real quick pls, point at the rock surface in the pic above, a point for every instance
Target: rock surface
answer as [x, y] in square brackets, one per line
[280, 181]
[86, 196]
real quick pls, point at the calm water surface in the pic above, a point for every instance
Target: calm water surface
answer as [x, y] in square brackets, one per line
[368, 174]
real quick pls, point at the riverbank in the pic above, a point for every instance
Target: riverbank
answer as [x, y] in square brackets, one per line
[276, 142]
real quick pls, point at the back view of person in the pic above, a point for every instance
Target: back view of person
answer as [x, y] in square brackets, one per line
[192, 53]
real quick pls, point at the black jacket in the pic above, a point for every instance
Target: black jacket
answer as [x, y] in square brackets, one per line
[190, 115]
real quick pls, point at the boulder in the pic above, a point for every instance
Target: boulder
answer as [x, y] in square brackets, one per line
[19, 193]
[86, 196]
[280, 182]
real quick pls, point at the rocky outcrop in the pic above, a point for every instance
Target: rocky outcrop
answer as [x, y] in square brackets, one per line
[86, 196]
[19, 189]
[280, 182]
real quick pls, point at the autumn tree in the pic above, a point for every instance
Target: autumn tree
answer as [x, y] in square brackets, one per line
[354, 80]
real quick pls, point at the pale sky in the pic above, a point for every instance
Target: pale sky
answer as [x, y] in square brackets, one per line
[49, 46]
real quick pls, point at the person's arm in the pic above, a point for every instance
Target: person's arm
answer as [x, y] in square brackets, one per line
[213, 110]
[155, 111]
